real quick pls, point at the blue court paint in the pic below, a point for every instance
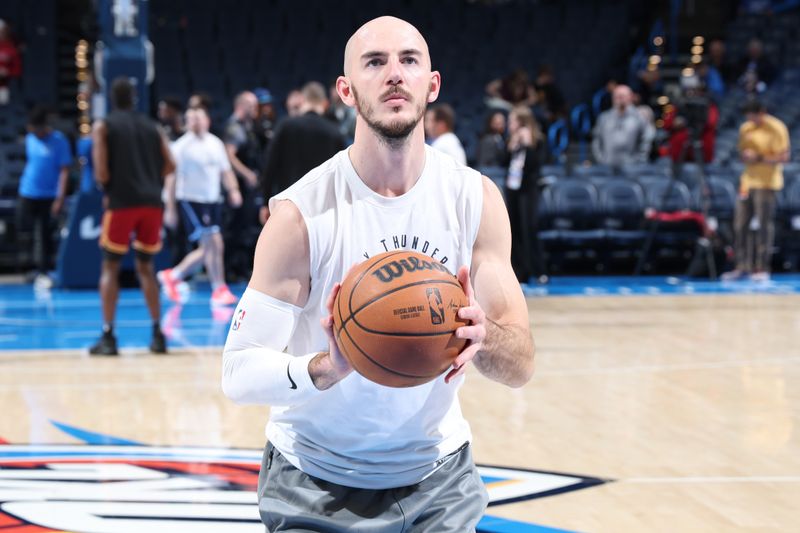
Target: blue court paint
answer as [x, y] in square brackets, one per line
[656, 285]
[90, 437]
[70, 319]
[494, 524]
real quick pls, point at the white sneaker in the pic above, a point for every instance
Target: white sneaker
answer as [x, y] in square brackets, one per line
[42, 282]
[733, 275]
[759, 276]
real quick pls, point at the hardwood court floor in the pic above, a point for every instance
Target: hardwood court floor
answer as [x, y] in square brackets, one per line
[691, 404]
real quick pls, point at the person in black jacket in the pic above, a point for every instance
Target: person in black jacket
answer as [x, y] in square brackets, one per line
[525, 152]
[299, 144]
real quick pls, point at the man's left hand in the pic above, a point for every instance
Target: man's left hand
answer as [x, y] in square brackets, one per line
[474, 332]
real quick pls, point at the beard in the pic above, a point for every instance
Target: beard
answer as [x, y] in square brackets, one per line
[393, 132]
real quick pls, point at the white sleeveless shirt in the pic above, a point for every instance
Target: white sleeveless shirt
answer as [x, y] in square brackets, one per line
[358, 433]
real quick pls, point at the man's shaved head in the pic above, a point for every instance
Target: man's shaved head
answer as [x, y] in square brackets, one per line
[377, 31]
[388, 79]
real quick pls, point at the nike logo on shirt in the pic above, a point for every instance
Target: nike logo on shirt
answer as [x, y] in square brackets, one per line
[294, 385]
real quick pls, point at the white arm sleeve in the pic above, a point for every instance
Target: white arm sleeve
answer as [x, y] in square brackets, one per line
[254, 367]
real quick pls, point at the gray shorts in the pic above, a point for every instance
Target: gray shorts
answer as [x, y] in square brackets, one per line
[452, 499]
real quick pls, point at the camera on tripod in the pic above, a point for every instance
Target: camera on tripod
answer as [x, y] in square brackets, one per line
[694, 111]
[692, 105]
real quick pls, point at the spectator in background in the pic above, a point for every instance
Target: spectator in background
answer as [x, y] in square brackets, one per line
[606, 99]
[43, 187]
[764, 147]
[170, 117]
[526, 153]
[194, 193]
[265, 117]
[682, 123]
[492, 144]
[244, 152]
[131, 158]
[514, 89]
[300, 143]
[756, 72]
[343, 115]
[620, 135]
[440, 121]
[549, 96]
[241, 141]
[711, 79]
[200, 99]
[294, 103]
[10, 63]
[719, 62]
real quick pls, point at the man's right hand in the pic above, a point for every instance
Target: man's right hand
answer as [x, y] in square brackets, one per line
[329, 368]
[749, 156]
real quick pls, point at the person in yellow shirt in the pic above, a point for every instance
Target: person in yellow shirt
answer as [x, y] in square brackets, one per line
[764, 147]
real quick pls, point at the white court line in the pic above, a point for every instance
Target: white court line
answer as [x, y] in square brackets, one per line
[668, 367]
[711, 479]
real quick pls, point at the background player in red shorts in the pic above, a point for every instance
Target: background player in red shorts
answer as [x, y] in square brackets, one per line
[130, 159]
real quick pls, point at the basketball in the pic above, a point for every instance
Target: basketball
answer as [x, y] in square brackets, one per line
[395, 318]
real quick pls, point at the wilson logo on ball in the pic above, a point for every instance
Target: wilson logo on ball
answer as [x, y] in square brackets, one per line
[395, 269]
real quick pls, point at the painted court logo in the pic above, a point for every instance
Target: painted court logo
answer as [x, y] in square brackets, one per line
[131, 489]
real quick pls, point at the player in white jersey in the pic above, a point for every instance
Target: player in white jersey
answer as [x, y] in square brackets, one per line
[194, 194]
[344, 453]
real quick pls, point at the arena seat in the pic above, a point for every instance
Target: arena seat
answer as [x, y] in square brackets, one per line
[667, 195]
[721, 198]
[569, 221]
[621, 206]
[787, 225]
[497, 175]
[635, 170]
[677, 235]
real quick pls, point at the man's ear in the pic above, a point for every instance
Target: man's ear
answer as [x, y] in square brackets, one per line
[345, 91]
[435, 86]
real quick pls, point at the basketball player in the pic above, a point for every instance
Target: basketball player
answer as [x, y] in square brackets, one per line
[346, 454]
[195, 193]
[130, 158]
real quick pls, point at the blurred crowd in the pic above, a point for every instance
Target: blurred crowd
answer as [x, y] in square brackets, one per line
[271, 144]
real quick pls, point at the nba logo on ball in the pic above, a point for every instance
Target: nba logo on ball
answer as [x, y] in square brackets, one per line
[435, 305]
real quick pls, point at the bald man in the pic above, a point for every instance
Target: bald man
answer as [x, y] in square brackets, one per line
[620, 134]
[344, 453]
[246, 157]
